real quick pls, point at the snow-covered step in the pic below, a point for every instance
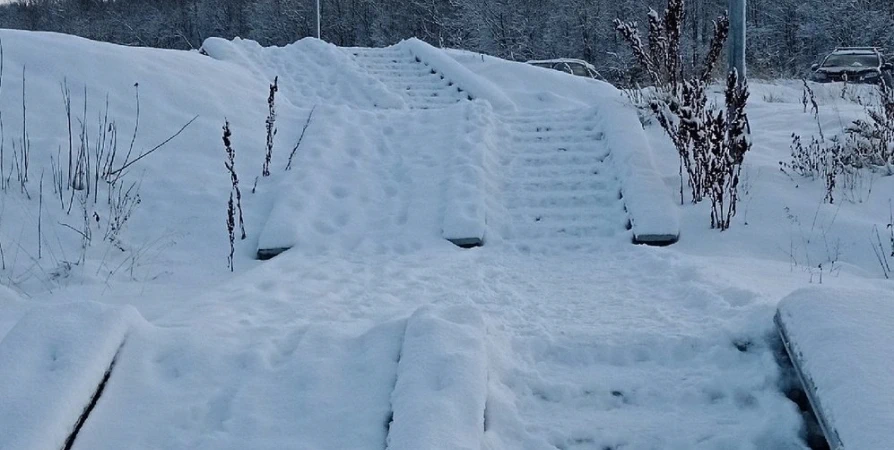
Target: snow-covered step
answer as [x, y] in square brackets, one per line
[422, 86]
[537, 127]
[564, 185]
[582, 172]
[561, 160]
[560, 138]
[565, 201]
[540, 231]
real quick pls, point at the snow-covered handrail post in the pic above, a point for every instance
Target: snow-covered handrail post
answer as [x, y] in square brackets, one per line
[318, 19]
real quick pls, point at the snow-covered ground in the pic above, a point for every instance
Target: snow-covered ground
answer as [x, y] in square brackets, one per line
[558, 331]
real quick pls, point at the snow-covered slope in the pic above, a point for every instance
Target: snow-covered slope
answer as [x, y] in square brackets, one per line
[586, 340]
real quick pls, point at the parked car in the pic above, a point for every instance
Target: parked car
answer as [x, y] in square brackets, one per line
[573, 66]
[854, 65]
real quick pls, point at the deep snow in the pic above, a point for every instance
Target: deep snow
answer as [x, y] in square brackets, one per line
[592, 343]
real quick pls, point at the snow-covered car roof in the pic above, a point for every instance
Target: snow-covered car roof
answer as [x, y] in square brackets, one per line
[858, 51]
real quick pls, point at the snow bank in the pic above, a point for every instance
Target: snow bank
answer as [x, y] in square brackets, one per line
[309, 70]
[839, 340]
[438, 401]
[473, 84]
[653, 214]
[465, 210]
[51, 363]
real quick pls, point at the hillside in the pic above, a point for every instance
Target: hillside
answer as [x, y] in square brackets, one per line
[373, 330]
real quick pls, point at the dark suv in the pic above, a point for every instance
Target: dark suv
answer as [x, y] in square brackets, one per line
[854, 65]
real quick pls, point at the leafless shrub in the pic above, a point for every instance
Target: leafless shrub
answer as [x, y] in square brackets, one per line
[834, 161]
[874, 138]
[231, 227]
[301, 137]
[808, 98]
[271, 126]
[230, 164]
[812, 246]
[711, 142]
[840, 161]
[124, 199]
[25, 146]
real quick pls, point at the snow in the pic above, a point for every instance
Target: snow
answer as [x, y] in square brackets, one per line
[839, 339]
[51, 363]
[444, 361]
[588, 341]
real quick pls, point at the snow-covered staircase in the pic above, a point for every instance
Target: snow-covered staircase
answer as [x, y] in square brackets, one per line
[561, 192]
[422, 86]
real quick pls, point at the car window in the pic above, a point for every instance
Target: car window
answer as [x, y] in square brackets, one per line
[844, 60]
[580, 70]
[562, 66]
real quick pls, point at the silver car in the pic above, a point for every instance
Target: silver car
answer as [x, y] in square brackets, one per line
[577, 67]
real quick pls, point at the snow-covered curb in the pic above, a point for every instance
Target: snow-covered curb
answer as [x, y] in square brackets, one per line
[441, 390]
[51, 364]
[653, 215]
[475, 85]
[839, 342]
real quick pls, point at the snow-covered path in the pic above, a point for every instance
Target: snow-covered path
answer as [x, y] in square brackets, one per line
[581, 355]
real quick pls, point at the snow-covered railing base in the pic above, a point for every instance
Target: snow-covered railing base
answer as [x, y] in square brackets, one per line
[465, 211]
[658, 240]
[654, 218]
[53, 366]
[471, 242]
[441, 390]
[269, 253]
[828, 333]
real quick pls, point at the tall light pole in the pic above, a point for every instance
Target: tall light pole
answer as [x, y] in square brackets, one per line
[318, 19]
[737, 37]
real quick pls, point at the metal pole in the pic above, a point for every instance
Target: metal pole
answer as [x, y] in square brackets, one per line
[318, 19]
[737, 36]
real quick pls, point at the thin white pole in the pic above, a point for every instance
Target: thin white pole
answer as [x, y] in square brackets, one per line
[318, 19]
[737, 36]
